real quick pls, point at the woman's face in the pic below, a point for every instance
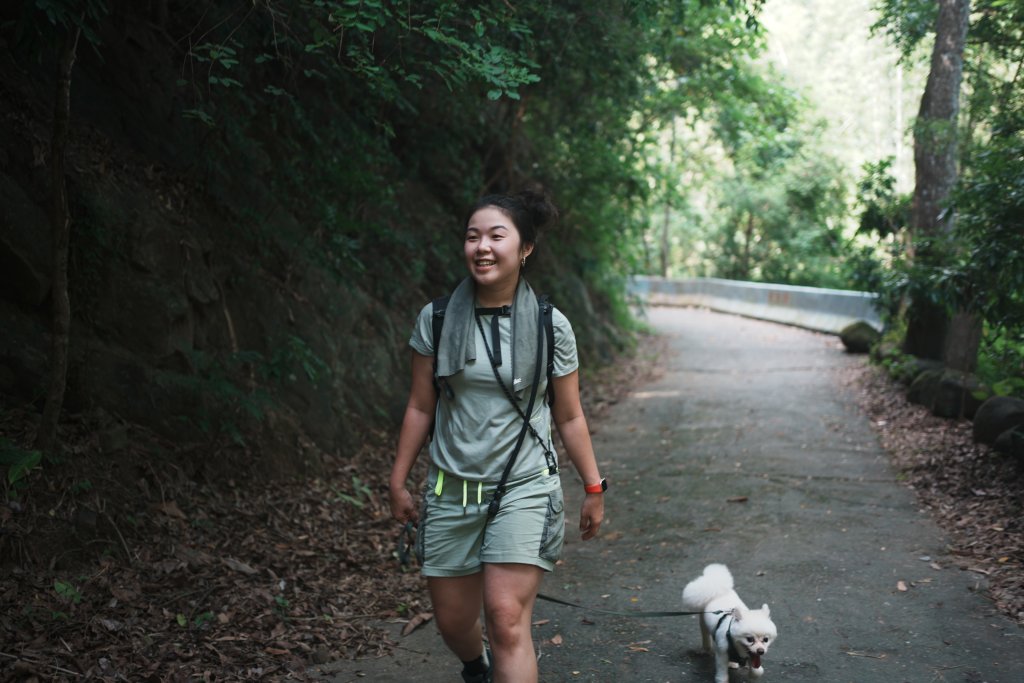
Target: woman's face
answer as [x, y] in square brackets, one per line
[494, 248]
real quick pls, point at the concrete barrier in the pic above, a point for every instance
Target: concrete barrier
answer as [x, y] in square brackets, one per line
[814, 308]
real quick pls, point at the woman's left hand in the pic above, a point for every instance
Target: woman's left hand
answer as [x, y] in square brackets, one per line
[591, 515]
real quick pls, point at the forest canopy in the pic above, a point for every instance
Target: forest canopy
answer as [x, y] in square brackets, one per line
[311, 160]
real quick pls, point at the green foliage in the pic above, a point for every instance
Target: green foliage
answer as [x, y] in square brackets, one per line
[280, 607]
[19, 464]
[980, 266]
[67, 591]
[346, 137]
[225, 400]
[990, 224]
[295, 354]
[907, 23]
[1001, 361]
[360, 496]
[781, 212]
[753, 155]
[884, 212]
[40, 19]
[202, 619]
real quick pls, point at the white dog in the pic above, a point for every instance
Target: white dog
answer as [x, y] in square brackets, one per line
[738, 636]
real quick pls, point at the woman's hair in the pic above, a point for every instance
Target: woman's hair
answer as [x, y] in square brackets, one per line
[530, 210]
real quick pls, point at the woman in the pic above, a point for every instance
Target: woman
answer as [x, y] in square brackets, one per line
[477, 551]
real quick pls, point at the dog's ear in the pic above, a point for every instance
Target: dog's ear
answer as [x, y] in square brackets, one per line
[764, 608]
[737, 613]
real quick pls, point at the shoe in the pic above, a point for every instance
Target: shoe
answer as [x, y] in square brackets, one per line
[486, 676]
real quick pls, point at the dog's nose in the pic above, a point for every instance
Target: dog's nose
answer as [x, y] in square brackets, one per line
[760, 650]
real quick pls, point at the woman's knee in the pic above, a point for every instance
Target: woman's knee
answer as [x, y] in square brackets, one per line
[508, 621]
[455, 617]
[457, 604]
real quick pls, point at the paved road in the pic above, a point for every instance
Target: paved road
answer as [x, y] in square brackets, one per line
[747, 451]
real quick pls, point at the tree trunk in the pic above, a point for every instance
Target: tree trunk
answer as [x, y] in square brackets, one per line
[60, 224]
[935, 157]
[665, 241]
[963, 335]
[748, 238]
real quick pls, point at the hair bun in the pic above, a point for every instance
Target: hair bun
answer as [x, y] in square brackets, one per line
[539, 203]
[530, 209]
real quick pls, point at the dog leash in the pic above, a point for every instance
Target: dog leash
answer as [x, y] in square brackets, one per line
[406, 540]
[559, 601]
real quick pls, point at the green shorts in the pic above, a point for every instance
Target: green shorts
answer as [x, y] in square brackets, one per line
[456, 537]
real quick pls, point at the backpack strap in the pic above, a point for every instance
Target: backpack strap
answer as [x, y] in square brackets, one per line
[437, 309]
[438, 306]
[547, 313]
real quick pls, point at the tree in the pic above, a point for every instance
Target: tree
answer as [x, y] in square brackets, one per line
[60, 224]
[931, 332]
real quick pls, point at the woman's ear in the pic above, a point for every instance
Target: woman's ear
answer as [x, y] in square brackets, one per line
[527, 249]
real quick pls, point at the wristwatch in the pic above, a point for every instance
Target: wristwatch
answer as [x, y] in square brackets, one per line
[597, 488]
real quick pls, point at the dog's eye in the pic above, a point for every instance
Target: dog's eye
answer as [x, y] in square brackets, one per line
[765, 641]
[750, 639]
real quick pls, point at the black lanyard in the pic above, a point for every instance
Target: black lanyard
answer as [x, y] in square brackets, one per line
[495, 503]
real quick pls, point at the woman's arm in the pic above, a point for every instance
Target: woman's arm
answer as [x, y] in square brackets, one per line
[419, 414]
[571, 424]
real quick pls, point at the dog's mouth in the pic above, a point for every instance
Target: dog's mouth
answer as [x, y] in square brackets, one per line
[755, 661]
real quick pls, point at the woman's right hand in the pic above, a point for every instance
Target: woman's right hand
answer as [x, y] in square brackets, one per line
[403, 508]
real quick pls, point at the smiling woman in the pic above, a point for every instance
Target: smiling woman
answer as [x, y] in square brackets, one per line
[491, 521]
[495, 253]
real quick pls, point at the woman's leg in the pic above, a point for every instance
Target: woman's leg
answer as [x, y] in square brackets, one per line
[457, 601]
[509, 593]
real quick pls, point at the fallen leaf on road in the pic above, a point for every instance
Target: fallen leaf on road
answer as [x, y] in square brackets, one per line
[171, 509]
[737, 499]
[239, 566]
[901, 586]
[416, 622]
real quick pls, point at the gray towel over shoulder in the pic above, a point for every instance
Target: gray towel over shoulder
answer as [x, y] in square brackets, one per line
[456, 346]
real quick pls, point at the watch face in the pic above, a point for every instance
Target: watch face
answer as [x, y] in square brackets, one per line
[604, 484]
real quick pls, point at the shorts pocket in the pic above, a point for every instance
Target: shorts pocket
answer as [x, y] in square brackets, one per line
[554, 527]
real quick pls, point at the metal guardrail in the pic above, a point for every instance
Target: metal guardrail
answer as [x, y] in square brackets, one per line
[814, 308]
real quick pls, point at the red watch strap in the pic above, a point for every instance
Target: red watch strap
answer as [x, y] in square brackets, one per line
[599, 487]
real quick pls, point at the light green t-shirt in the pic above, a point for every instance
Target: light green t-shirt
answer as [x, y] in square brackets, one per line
[476, 431]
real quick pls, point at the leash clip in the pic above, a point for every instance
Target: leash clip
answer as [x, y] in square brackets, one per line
[492, 507]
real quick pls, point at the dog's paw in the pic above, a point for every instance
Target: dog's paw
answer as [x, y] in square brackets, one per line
[757, 673]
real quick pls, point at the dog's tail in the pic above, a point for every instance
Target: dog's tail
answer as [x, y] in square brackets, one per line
[715, 581]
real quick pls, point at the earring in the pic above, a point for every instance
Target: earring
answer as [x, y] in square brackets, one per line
[522, 264]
